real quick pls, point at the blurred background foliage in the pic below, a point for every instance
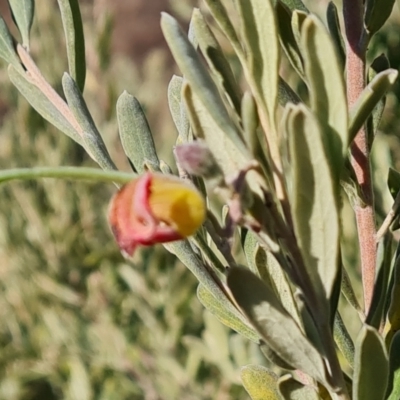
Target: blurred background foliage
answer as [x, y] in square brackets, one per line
[77, 321]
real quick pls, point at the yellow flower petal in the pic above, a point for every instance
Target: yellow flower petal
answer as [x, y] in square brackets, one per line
[177, 203]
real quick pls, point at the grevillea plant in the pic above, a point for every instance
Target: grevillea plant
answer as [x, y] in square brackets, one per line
[277, 161]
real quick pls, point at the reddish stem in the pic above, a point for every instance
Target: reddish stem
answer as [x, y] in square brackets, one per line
[353, 11]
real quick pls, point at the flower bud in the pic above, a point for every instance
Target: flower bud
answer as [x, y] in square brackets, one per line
[155, 208]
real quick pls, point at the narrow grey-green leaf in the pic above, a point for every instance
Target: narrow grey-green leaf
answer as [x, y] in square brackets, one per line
[42, 104]
[343, 339]
[266, 266]
[314, 200]
[260, 383]
[348, 291]
[74, 39]
[91, 136]
[216, 60]
[371, 366]
[287, 94]
[327, 90]
[334, 28]
[220, 15]
[185, 253]
[197, 75]
[219, 305]
[383, 265]
[7, 49]
[262, 52]
[295, 5]
[276, 327]
[135, 134]
[272, 357]
[369, 98]
[393, 389]
[393, 182]
[22, 11]
[174, 100]
[287, 38]
[290, 389]
[376, 14]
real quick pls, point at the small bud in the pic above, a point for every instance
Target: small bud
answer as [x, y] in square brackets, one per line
[155, 208]
[196, 159]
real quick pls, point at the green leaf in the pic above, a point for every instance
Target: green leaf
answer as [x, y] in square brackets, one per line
[327, 90]
[177, 108]
[287, 38]
[334, 28]
[343, 339]
[262, 52]
[198, 77]
[135, 133]
[42, 104]
[260, 383]
[290, 389]
[263, 263]
[314, 201]
[75, 41]
[274, 324]
[393, 182]
[91, 136]
[376, 14]
[7, 49]
[369, 98]
[295, 5]
[184, 251]
[348, 292]
[393, 314]
[219, 305]
[383, 260]
[272, 357]
[22, 11]
[220, 15]
[216, 60]
[393, 389]
[371, 366]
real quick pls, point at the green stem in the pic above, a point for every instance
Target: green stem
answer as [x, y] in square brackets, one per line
[75, 173]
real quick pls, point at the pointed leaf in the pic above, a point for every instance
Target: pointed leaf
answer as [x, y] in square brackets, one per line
[393, 389]
[371, 366]
[260, 383]
[220, 15]
[327, 90]
[22, 11]
[219, 305]
[343, 340]
[393, 314]
[42, 104]
[216, 60]
[75, 41]
[135, 133]
[376, 14]
[262, 51]
[287, 38]
[295, 5]
[314, 201]
[369, 98]
[91, 136]
[266, 266]
[7, 49]
[334, 28]
[197, 75]
[290, 389]
[393, 182]
[177, 108]
[276, 327]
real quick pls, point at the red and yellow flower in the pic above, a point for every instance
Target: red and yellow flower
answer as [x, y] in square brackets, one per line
[155, 208]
